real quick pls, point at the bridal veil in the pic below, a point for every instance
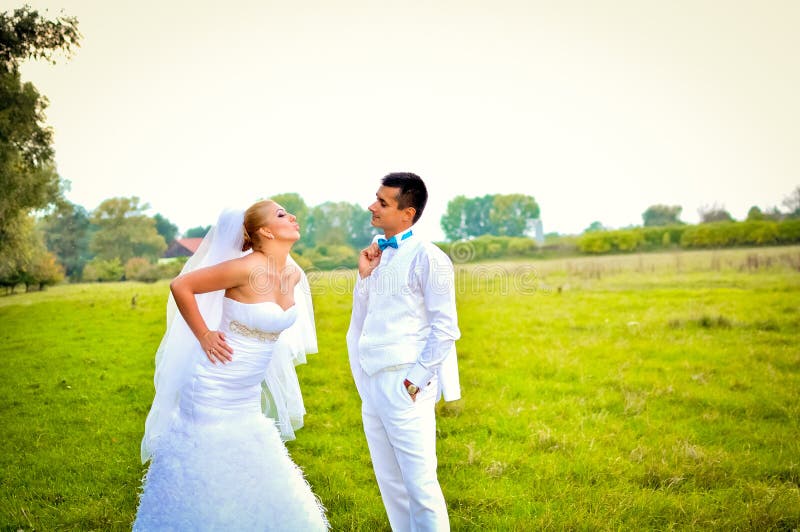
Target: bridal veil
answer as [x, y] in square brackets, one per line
[175, 357]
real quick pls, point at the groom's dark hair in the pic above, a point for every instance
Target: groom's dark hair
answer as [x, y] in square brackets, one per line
[412, 191]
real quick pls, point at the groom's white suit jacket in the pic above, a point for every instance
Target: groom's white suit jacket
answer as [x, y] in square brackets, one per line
[404, 312]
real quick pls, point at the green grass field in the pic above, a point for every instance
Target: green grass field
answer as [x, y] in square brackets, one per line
[653, 391]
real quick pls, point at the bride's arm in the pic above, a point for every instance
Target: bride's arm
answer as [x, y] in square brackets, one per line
[220, 277]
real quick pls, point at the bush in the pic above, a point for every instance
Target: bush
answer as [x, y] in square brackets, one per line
[522, 247]
[660, 237]
[135, 266]
[756, 233]
[494, 250]
[331, 257]
[147, 272]
[171, 269]
[627, 240]
[749, 233]
[706, 235]
[789, 232]
[489, 247]
[43, 271]
[101, 270]
[596, 242]
[624, 240]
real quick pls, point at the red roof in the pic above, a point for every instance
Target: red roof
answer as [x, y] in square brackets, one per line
[190, 243]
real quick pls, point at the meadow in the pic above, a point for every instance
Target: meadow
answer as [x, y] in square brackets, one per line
[650, 391]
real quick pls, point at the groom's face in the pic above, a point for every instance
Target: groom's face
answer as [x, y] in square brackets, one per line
[385, 214]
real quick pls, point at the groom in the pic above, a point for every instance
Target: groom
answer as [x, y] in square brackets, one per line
[401, 343]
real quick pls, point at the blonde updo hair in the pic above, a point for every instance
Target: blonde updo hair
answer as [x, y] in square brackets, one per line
[255, 217]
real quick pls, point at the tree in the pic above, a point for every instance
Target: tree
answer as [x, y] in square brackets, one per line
[67, 231]
[714, 213]
[30, 263]
[20, 249]
[774, 214]
[165, 228]
[792, 203]
[44, 270]
[492, 214]
[594, 227]
[477, 215]
[755, 214]
[24, 34]
[512, 214]
[338, 223]
[662, 215]
[453, 221]
[468, 217]
[124, 231]
[197, 232]
[28, 177]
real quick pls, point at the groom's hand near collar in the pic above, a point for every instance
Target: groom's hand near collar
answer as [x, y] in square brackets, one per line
[368, 260]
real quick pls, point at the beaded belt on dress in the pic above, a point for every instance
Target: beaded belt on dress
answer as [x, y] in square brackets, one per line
[244, 330]
[397, 367]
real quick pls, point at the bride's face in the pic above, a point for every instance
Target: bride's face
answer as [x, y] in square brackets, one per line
[282, 225]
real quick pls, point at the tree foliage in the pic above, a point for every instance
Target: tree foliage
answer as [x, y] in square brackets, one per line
[28, 178]
[165, 228]
[492, 214]
[338, 223]
[714, 213]
[19, 249]
[657, 215]
[755, 214]
[25, 34]
[44, 270]
[703, 235]
[512, 214]
[67, 231]
[792, 203]
[453, 221]
[26, 260]
[144, 270]
[124, 231]
[103, 270]
[594, 227]
[27, 172]
[197, 232]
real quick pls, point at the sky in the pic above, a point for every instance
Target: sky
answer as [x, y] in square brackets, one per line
[597, 108]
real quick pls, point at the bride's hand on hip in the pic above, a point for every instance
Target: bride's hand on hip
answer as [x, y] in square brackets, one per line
[215, 348]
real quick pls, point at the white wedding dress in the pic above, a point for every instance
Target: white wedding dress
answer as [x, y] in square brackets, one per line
[221, 464]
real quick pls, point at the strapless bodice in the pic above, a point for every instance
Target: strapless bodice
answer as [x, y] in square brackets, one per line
[219, 390]
[267, 316]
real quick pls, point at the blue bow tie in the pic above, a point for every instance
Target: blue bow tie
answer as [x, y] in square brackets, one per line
[392, 242]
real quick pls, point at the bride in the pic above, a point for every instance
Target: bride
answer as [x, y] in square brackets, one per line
[237, 323]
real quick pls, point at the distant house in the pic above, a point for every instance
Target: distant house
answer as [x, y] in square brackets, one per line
[182, 247]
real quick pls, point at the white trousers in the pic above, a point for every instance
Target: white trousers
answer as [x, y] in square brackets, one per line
[401, 435]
